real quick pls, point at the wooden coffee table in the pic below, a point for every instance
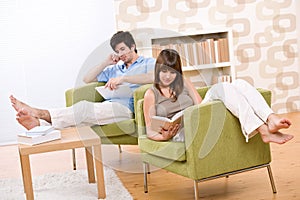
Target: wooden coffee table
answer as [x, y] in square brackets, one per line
[71, 138]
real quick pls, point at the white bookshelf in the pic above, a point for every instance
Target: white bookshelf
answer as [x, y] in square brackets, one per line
[206, 55]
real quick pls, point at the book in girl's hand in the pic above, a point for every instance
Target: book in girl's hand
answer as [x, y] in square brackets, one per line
[158, 122]
[39, 130]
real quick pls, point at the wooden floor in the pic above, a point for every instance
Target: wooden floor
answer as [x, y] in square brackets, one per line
[165, 185]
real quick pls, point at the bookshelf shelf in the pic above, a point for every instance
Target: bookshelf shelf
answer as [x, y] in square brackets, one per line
[206, 66]
[206, 54]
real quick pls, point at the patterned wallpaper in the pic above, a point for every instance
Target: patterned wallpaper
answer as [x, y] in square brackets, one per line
[264, 36]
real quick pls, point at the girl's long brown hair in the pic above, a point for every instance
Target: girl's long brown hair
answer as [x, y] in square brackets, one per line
[169, 59]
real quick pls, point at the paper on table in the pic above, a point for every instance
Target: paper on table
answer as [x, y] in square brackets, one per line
[38, 139]
[39, 130]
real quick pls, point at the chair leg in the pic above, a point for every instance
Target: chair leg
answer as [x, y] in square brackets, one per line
[74, 159]
[196, 190]
[146, 167]
[120, 148]
[271, 179]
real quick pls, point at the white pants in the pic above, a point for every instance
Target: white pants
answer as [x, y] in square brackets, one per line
[89, 113]
[244, 102]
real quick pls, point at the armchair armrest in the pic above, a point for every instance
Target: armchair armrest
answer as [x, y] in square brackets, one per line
[139, 118]
[138, 95]
[204, 124]
[86, 92]
[214, 140]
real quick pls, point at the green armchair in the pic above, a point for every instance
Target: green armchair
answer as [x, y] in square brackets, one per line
[123, 132]
[120, 133]
[214, 145]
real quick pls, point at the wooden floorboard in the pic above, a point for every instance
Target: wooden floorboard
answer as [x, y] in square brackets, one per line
[165, 185]
[249, 185]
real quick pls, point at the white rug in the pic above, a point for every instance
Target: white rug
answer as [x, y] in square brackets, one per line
[71, 185]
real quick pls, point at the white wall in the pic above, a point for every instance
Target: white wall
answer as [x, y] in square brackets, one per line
[43, 46]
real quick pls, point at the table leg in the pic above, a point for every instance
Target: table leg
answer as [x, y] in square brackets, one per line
[99, 172]
[22, 172]
[74, 159]
[26, 173]
[90, 164]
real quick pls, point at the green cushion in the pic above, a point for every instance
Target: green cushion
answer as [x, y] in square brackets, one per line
[202, 90]
[126, 127]
[121, 140]
[166, 149]
[86, 92]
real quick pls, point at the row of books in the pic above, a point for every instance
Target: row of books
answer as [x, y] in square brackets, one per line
[208, 51]
[38, 135]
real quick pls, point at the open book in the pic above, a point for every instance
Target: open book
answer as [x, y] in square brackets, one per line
[123, 91]
[158, 122]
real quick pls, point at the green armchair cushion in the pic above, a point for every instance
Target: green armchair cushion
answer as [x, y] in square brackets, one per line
[165, 149]
[116, 129]
[86, 92]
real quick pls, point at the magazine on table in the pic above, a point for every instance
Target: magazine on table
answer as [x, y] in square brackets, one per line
[39, 130]
[23, 138]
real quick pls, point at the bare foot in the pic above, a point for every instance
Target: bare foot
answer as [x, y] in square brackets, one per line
[19, 105]
[275, 123]
[27, 120]
[275, 137]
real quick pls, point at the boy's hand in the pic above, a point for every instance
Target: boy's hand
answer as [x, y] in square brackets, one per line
[113, 83]
[112, 59]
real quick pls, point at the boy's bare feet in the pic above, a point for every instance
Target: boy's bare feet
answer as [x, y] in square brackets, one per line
[19, 105]
[27, 120]
[275, 137]
[275, 123]
[34, 112]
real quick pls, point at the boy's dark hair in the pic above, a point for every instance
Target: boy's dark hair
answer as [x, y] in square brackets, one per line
[122, 36]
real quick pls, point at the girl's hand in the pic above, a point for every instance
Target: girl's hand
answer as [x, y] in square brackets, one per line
[170, 133]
